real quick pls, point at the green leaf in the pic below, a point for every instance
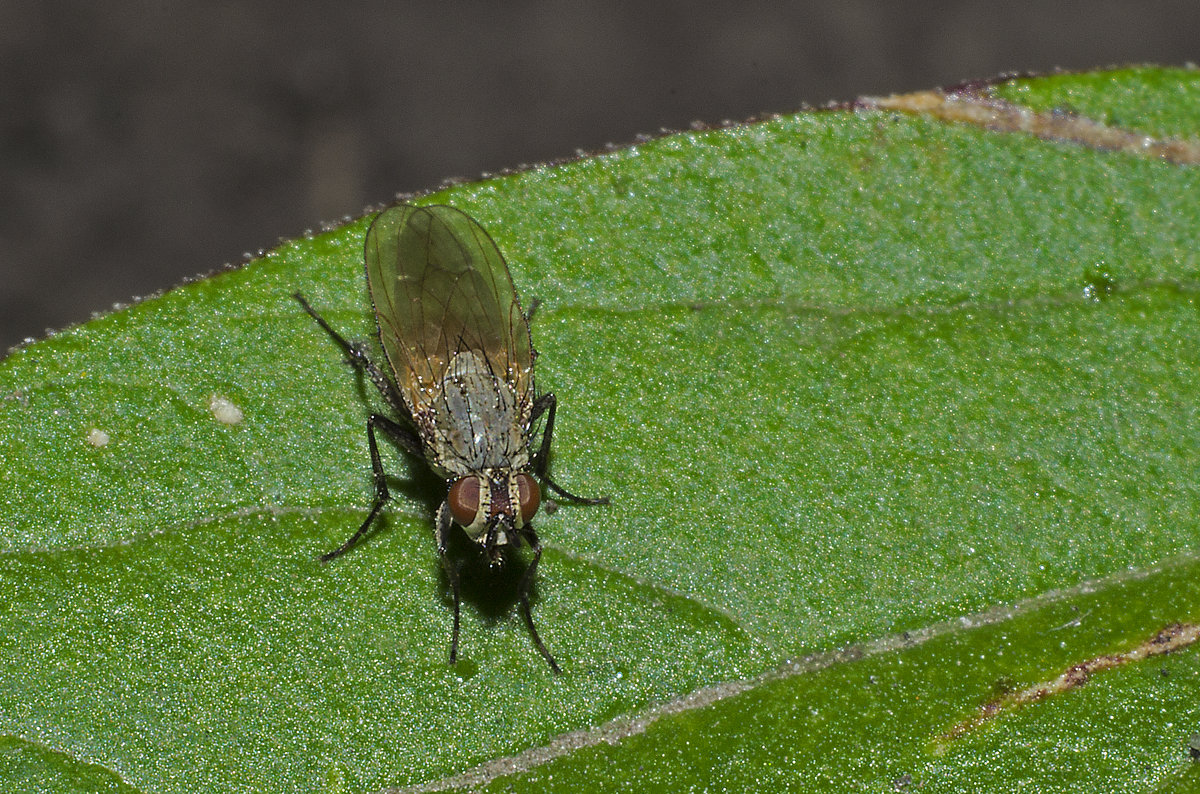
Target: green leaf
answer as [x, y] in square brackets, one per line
[899, 419]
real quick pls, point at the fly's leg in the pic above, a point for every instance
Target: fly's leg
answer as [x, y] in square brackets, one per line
[357, 356]
[442, 535]
[547, 404]
[533, 307]
[402, 436]
[523, 595]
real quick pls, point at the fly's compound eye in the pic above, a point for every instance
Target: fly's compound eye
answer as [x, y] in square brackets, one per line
[463, 499]
[529, 496]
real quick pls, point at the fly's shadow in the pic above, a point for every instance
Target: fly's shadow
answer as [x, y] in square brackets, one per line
[492, 590]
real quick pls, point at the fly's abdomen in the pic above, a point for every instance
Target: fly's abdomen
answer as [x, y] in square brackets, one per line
[479, 422]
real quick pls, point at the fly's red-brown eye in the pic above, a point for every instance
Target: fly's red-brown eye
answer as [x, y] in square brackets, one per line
[463, 499]
[529, 494]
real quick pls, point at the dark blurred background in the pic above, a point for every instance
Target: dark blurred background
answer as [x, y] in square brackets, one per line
[142, 142]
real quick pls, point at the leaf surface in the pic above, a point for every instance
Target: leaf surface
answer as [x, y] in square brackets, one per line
[856, 379]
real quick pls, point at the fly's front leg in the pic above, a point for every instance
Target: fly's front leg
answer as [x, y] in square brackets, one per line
[547, 404]
[523, 595]
[402, 436]
[442, 535]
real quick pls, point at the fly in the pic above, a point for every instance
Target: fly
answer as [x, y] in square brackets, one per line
[461, 358]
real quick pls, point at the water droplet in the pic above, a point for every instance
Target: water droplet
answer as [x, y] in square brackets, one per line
[1098, 283]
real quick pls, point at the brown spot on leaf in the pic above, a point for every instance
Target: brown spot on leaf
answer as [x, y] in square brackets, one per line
[1171, 638]
[981, 109]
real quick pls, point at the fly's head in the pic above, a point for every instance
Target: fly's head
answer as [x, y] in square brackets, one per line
[494, 505]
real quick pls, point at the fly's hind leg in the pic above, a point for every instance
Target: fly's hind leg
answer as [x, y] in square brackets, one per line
[547, 404]
[402, 436]
[357, 355]
[533, 307]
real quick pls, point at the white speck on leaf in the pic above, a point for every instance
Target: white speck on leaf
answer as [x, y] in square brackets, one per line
[225, 410]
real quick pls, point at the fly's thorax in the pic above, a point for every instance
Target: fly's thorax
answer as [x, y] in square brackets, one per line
[476, 420]
[491, 503]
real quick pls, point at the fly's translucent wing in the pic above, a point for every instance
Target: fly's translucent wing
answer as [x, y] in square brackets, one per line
[441, 287]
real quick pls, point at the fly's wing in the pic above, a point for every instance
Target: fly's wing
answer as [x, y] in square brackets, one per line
[440, 286]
